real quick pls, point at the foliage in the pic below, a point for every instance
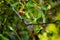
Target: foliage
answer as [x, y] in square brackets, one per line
[29, 19]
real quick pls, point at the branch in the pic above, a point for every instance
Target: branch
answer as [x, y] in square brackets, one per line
[41, 23]
[15, 11]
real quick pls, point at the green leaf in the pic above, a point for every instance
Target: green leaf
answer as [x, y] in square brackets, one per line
[35, 12]
[34, 21]
[25, 35]
[8, 1]
[39, 15]
[29, 4]
[37, 28]
[51, 28]
[5, 18]
[15, 4]
[48, 7]
[57, 17]
[27, 15]
[10, 28]
[43, 7]
[3, 38]
[53, 4]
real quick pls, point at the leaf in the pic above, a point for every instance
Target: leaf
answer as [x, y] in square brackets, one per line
[15, 4]
[57, 17]
[25, 35]
[10, 28]
[8, 1]
[5, 18]
[3, 38]
[53, 4]
[48, 7]
[42, 37]
[27, 15]
[37, 28]
[43, 7]
[39, 15]
[35, 12]
[33, 21]
[29, 4]
[51, 28]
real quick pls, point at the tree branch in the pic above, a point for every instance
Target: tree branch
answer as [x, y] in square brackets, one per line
[15, 11]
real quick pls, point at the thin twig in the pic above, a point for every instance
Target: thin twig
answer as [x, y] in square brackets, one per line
[17, 35]
[19, 17]
[15, 11]
[41, 23]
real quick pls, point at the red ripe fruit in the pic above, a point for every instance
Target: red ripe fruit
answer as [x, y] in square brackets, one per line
[21, 12]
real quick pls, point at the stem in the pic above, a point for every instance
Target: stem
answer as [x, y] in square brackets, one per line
[15, 11]
[44, 18]
[41, 1]
[17, 35]
[31, 14]
[19, 17]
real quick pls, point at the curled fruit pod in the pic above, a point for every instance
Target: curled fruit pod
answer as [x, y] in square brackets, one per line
[21, 12]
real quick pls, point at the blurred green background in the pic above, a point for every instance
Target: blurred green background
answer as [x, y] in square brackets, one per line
[29, 19]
